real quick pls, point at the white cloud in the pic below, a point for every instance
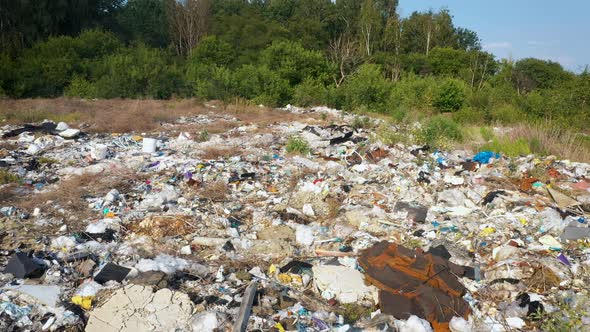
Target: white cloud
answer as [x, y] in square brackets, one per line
[537, 43]
[495, 45]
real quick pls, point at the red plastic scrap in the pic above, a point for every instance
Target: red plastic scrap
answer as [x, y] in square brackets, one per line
[412, 282]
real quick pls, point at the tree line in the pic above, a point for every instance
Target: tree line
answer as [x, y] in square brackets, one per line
[357, 55]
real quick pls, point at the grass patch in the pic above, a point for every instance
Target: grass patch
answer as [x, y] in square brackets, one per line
[298, 145]
[361, 122]
[46, 160]
[508, 147]
[32, 116]
[8, 177]
[486, 133]
[440, 132]
[388, 136]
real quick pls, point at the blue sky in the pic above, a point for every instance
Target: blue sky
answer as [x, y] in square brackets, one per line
[553, 30]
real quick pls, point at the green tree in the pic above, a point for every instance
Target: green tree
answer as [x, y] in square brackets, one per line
[530, 74]
[144, 21]
[450, 96]
[370, 26]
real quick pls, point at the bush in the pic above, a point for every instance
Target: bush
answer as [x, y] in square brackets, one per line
[209, 81]
[294, 63]
[138, 72]
[439, 131]
[469, 115]
[262, 85]
[366, 88]
[507, 114]
[412, 93]
[310, 91]
[81, 87]
[297, 145]
[450, 96]
[212, 51]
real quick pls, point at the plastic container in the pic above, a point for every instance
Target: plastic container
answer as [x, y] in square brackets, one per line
[149, 145]
[99, 152]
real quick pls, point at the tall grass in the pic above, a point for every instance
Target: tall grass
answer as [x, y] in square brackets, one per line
[541, 138]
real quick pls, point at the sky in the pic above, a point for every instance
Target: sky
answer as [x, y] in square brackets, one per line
[516, 29]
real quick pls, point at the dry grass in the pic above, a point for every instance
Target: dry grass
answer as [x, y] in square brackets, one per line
[68, 194]
[219, 152]
[145, 115]
[216, 191]
[553, 140]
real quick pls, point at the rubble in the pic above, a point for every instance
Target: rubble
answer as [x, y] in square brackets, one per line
[178, 230]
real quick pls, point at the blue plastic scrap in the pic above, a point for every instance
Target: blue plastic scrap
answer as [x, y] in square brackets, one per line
[483, 157]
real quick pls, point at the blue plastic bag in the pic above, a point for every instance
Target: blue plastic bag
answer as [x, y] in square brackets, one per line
[483, 157]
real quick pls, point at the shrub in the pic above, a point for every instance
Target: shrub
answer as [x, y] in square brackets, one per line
[367, 87]
[294, 63]
[209, 81]
[137, 72]
[450, 96]
[412, 92]
[262, 85]
[212, 51]
[81, 87]
[439, 131]
[469, 115]
[310, 91]
[507, 114]
[297, 145]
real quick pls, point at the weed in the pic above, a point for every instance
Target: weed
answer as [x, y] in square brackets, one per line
[352, 312]
[511, 148]
[389, 136]
[8, 177]
[297, 145]
[440, 132]
[486, 133]
[204, 135]
[566, 318]
[361, 122]
[46, 160]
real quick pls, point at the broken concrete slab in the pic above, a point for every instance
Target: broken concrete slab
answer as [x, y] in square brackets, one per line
[342, 283]
[137, 308]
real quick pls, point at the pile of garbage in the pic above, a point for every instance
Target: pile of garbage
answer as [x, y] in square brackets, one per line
[183, 231]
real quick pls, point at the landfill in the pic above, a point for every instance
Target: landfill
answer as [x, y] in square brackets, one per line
[180, 230]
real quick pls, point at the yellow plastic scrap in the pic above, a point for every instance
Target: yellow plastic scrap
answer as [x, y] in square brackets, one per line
[137, 138]
[280, 327]
[285, 278]
[523, 221]
[85, 302]
[487, 231]
[272, 269]
[297, 279]
[110, 214]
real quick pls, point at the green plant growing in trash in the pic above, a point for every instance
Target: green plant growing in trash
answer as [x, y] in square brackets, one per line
[46, 160]
[8, 177]
[565, 318]
[297, 144]
[204, 136]
[361, 122]
[439, 132]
